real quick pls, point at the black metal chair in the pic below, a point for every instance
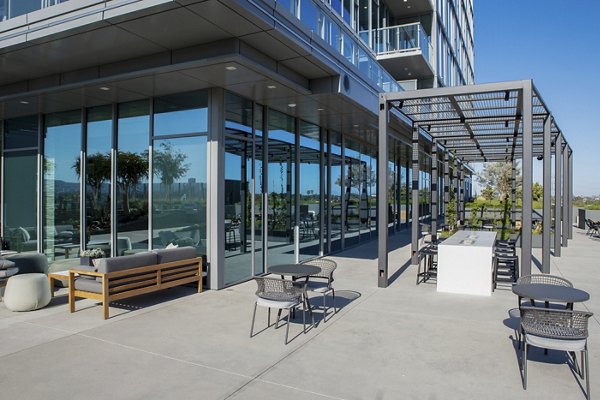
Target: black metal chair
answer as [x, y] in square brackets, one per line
[280, 294]
[562, 330]
[322, 282]
[427, 259]
[506, 263]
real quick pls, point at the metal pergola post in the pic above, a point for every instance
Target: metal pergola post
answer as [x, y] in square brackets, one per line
[462, 193]
[382, 194]
[565, 189]
[547, 204]
[570, 193]
[557, 195]
[527, 178]
[415, 196]
[434, 191]
[513, 195]
[446, 184]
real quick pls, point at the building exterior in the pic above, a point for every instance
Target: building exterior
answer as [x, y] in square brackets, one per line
[245, 128]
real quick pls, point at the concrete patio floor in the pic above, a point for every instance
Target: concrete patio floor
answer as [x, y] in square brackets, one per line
[403, 342]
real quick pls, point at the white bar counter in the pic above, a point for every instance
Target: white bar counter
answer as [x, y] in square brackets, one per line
[465, 263]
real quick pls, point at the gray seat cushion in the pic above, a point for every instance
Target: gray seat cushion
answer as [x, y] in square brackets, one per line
[5, 273]
[114, 264]
[175, 254]
[88, 285]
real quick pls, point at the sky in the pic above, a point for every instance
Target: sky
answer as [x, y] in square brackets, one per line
[557, 44]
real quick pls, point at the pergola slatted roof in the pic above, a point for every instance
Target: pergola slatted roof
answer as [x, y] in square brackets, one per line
[502, 121]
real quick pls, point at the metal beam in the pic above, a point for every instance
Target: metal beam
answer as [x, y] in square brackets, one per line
[382, 195]
[415, 197]
[547, 205]
[557, 195]
[527, 166]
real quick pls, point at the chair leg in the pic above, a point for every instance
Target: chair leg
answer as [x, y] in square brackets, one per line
[524, 361]
[269, 318]
[325, 308]
[334, 308]
[278, 318]
[287, 328]
[304, 321]
[253, 317]
[587, 371]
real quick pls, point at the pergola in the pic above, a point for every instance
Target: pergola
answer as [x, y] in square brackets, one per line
[504, 121]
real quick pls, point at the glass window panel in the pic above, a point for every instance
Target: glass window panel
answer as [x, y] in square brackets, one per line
[19, 200]
[98, 178]
[310, 192]
[335, 196]
[281, 161]
[238, 189]
[132, 177]
[179, 192]
[181, 113]
[21, 132]
[61, 194]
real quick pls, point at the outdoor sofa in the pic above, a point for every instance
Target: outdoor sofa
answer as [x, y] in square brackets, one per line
[119, 278]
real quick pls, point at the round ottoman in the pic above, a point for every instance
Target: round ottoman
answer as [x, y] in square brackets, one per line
[27, 292]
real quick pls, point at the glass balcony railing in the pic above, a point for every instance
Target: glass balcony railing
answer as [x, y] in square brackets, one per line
[341, 39]
[14, 8]
[402, 39]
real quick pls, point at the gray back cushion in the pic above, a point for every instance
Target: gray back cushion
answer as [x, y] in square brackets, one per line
[30, 263]
[113, 264]
[176, 254]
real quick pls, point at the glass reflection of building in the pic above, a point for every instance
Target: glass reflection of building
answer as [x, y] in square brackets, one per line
[254, 162]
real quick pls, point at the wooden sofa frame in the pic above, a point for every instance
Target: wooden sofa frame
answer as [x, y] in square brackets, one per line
[132, 282]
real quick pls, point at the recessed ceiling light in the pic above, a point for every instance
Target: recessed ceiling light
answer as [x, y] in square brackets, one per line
[230, 68]
[292, 105]
[320, 109]
[271, 87]
[105, 88]
[409, 74]
[24, 102]
[408, 6]
[355, 125]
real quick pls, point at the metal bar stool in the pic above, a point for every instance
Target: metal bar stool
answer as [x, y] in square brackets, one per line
[427, 258]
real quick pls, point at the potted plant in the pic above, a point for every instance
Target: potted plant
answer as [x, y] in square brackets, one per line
[87, 256]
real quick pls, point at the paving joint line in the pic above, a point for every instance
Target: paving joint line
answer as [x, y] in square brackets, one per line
[258, 376]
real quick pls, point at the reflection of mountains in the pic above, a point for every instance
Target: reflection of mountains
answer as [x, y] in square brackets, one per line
[66, 187]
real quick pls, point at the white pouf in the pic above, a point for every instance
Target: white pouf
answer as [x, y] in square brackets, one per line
[27, 292]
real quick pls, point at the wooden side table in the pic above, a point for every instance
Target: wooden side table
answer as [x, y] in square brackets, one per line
[61, 276]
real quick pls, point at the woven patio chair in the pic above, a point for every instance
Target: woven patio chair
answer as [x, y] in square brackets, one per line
[562, 330]
[280, 294]
[322, 282]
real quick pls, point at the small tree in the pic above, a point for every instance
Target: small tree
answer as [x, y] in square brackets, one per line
[451, 211]
[131, 169]
[488, 193]
[498, 175]
[169, 165]
[537, 192]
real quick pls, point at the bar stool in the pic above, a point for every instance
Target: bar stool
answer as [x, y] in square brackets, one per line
[506, 267]
[427, 258]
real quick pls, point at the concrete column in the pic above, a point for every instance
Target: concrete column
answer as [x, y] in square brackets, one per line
[415, 196]
[527, 178]
[216, 188]
[434, 191]
[382, 194]
[547, 205]
[557, 195]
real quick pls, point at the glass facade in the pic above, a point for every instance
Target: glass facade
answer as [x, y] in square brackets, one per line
[296, 190]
